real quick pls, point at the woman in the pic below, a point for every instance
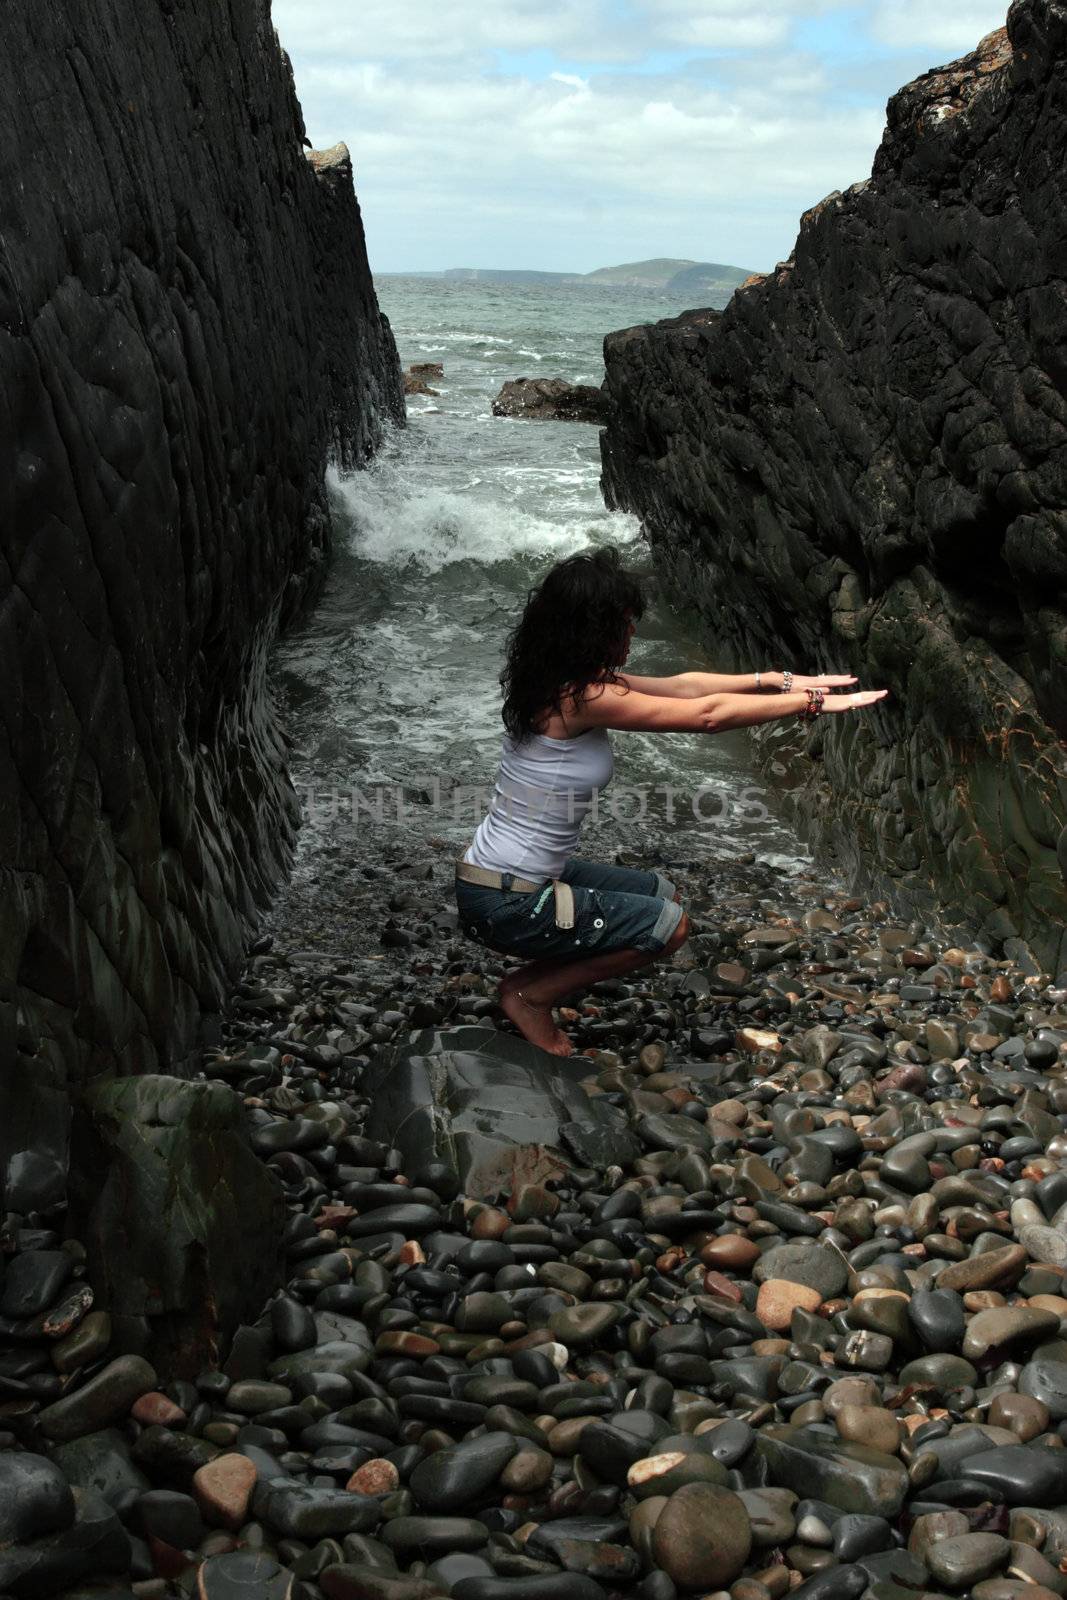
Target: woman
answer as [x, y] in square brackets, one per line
[519, 888]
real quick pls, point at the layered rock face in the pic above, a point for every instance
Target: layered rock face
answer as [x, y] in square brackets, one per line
[188, 330]
[861, 465]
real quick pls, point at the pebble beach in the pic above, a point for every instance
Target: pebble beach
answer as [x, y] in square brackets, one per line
[806, 1337]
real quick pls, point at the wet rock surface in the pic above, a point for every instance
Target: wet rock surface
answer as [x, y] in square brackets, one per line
[188, 330]
[182, 1224]
[754, 1360]
[861, 465]
[552, 400]
[420, 375]
[492, 1109]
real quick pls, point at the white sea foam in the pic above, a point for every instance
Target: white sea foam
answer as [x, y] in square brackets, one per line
[395, 520]
[468, 338]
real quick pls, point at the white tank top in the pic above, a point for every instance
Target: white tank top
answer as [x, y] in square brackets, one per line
[544, 789]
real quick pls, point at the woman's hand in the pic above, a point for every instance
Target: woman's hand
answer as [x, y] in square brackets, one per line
[826, 680]
[851, 702]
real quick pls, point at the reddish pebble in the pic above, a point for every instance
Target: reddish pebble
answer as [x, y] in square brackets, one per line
[374, 1477]
[677, 1096]
[731, 1251]
[411, 1254]
[223, 1488]
[529, 1341]
[716, 1283]
[490, 1224]
[156, 1408]
[778, 1299]
[911, 1078]
[401, 1342]
[334, 1216]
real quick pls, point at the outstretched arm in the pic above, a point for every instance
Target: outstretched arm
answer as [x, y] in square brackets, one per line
[692, 685]
[630, 709]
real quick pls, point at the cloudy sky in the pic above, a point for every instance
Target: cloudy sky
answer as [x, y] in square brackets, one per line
[573, 134]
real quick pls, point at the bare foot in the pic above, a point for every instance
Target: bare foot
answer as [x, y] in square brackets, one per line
[534, 1022]
[522, 977]
[508, 982]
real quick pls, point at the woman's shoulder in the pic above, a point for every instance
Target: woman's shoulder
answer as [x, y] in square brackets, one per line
[572, 717]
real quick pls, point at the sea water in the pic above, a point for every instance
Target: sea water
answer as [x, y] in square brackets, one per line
[390, 688]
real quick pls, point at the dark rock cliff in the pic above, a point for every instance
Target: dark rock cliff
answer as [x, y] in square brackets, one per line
[188, 331]
[862, 464]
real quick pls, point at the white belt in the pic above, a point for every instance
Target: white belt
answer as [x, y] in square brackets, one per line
[564, 894]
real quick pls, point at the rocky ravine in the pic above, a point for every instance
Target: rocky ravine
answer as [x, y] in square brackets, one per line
[862, 464]
[188, 329]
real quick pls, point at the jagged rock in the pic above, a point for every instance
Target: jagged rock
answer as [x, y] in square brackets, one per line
[182, 1222]
[552, 400]
[416, 377]
[861, 465]
[188, 329]
[493, 1108]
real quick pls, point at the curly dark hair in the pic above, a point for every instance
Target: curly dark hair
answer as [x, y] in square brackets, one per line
[571, 634]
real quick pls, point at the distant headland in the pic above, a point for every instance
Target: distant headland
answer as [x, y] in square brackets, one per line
[661, 272]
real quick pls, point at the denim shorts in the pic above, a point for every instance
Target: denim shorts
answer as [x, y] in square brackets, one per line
[615, 908]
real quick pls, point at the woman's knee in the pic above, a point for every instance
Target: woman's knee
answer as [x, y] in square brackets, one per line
[679, 936]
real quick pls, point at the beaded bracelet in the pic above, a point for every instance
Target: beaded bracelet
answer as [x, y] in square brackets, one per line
[814, 705]
[787, 683]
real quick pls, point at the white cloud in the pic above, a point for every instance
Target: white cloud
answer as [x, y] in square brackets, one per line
[951, 27]
[426, 29]
[468, 150]
[463, 143]
[727, 24]
[579, 30]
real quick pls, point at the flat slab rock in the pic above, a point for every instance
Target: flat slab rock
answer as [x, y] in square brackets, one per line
[493, 1108]
[849, 1476]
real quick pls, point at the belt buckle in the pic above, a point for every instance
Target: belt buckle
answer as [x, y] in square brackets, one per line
[506, 879]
